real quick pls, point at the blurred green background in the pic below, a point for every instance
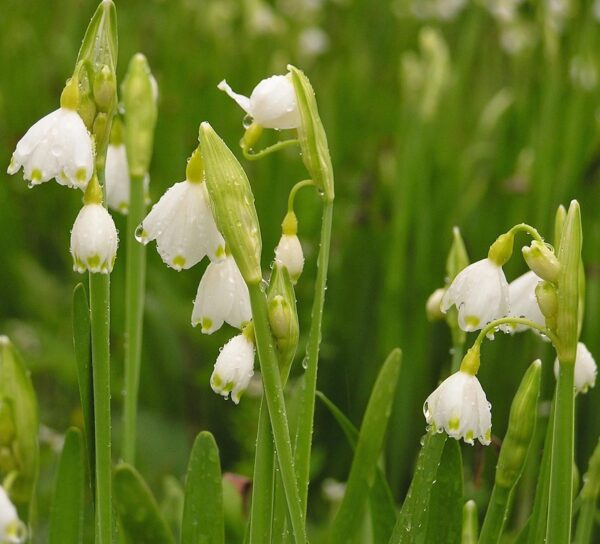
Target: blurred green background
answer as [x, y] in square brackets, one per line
[438, 112]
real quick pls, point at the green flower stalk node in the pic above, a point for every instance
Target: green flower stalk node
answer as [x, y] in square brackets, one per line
[501, 250]
[471, 360]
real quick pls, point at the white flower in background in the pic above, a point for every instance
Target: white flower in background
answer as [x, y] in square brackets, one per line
[459, 407]
[222, 297]
[585, 369]
[12, 529]
[272, 103]
[58, 146]
[480, 293]
[117, 179]
[523, 301]
[288, 253]
[182, 224]
[94, 240]
[234, 367]
[312, 42]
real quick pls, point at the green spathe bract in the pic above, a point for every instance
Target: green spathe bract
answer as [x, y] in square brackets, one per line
[232, 203]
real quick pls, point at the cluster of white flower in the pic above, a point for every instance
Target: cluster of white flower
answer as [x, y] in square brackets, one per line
[12, 529]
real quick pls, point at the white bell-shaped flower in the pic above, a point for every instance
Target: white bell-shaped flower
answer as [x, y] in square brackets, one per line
[222, 297]
[234, 368]
[117, 179]
[12, 529]
[459, 407]
[523, 301]
[288, 253]
[94, 240]
[182, 224]
[58, 146]
[480, 293]
[272, 103]
[585, 369]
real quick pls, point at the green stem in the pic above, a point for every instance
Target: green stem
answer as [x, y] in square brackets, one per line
[307, 403]
[295, 189]
[561, 468]
[268, 150]
[276, 405]
[135, 282]
[495, 517]
[585, 522]
[100, 322]
[524, 227]
[515, 321]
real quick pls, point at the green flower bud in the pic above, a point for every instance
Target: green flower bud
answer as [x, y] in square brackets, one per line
[7, 425]
[541, 259]
[547, 299]
[283, 317]
[569, 257]
[101, 132]
[140, 115]
[521, 424]
[16, 390]
[87, 110]
[559, 221]
[501, 250]
[251, 136]
[8, 463]
[311, 134]
[232, 203]
[105, 89]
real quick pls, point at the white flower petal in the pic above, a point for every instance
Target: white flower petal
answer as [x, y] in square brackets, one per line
[586, 369]
[288, 253]
[94, 240]
[523, 302]
[117, 178]
[480, 293]
[12, 529]
[242, 101]
[459, 407]
[234, 368]
[57, 146]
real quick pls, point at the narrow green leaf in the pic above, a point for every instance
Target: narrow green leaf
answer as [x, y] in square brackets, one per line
[66, 521]
[444, 513]
[100, 43]
[414, 509]
[381, 500]
[82, 341]
[470, 523]
[139, 516]
[203, 507]
[368, 449]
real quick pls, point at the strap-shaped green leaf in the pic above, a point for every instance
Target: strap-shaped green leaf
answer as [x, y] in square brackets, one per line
[66, 521]
[82, 342]
[203, 507]
[368, 450]
[140, 519]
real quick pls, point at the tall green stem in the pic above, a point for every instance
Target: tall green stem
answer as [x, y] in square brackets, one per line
[276, 405]
[135, 283]
[495, 516]
[561, 471]
[305, 422]
[100, 322]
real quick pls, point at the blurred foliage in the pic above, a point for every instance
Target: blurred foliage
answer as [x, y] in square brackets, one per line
[480, 114]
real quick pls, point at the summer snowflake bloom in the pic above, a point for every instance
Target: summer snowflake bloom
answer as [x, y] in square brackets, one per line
[585, 369]
[234, 368]
[459, 407]
[480, 293]
[94, 240]
[523, 301]
[182, 224]
[288, 253]
[272, 103]
[222, 297]
[12, 529]
[117, 179]
[58, 146]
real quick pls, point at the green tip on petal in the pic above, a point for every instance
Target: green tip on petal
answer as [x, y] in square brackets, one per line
[206, 324]
[454, 424]
[178, 262]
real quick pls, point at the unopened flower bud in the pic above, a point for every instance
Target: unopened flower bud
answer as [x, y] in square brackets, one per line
[541, 259]
[288, 253]
[251, 136]
[547, 299]
[105, 89]
[433, 306]
[232, 203]
[521, 423]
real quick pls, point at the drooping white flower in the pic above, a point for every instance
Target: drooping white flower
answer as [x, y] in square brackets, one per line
[459, 407]
[523, 301]
[585, 369]
[58, 146]
[480, 293]
[288, 253]
[234, 368]
[117, 179]
[222, 297]
[12, 529]
[94, 240]
[182, 224]
[272, 103]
